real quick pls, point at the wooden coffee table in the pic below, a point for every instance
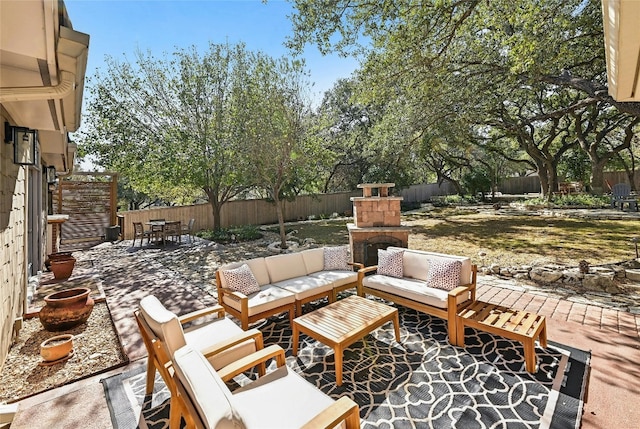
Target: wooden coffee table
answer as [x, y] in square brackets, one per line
[344, 322]
[517, 325]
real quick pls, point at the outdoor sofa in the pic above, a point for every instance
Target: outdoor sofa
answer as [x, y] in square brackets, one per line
[434, 283]
[257, 288]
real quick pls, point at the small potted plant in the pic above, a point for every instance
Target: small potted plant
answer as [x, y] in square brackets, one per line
[56, 348]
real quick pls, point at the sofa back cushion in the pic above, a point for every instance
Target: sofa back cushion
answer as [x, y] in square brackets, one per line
[205, 390]
[444, 273]
[336, 258]
[313, 259]
[241, 279]
[416, 264]
[257, 266]
[284, 267]
[164, 323]
[390, 262]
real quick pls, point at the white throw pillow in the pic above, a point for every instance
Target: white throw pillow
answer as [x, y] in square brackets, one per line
[390, 262]
[242, 280]
[336, 258]
[444, 273]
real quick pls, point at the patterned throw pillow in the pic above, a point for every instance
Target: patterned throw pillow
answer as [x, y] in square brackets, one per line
[336, 258]
[242, 280]
[444, 273]
[390, 262]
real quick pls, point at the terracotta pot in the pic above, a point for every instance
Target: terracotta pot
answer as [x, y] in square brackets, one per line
[62, 267]
[66, 309]
[56, 347]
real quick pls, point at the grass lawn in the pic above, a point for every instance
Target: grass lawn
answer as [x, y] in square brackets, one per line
[507, 240]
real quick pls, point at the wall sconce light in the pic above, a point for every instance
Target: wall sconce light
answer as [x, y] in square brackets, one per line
[51, 175]
[25, 144]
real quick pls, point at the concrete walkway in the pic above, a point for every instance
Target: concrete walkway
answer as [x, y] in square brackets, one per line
[128, 274]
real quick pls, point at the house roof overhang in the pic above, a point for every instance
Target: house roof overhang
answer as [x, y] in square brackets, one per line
[42, 70]
[621, 20]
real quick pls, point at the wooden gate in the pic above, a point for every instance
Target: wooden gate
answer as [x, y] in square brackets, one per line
[90, 201]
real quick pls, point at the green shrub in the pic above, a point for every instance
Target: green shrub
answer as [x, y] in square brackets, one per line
[232, 235]
[452, 200]
[573, 200]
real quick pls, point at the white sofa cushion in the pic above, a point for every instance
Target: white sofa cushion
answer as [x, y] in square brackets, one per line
[257, 266]
[337, 277]
[413, 289]
[164, 323]
[305, 286]
[280, 399]
[287, 266]
[269, 297]
[415, 264]
[313, 259]
[206, 390]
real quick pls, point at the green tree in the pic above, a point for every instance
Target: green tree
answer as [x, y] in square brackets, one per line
[281, 155]
[174, 123]
[521, 67]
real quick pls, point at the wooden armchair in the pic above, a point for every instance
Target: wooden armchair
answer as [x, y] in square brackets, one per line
[141, 233]
[188, 229]
[280, 399]
[220, 340]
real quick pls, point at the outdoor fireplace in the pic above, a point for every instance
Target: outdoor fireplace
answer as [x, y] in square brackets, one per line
[376, 217]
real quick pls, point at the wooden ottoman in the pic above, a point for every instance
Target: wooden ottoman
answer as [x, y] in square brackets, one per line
[516, 325]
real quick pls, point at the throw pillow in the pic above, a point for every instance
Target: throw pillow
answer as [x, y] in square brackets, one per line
[390, 262]
[444, 273]
[242, 280]
[336, 258]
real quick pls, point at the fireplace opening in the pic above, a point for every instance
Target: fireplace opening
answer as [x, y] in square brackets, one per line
[372, 246]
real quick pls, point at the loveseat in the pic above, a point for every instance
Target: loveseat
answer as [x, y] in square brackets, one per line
[257, 288]
[434, 283]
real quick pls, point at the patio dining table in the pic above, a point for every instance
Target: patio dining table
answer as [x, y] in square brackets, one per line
[162, 229]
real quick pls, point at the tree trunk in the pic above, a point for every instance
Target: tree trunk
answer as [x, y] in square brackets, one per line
[283, 235]
[216, 207]
[597, 176]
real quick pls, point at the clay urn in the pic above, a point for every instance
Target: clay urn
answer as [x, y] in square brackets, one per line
[61, 265]
[66, 309]
[56, 348]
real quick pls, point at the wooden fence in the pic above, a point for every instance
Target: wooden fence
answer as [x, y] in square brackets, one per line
[263, 212]
[243, 212]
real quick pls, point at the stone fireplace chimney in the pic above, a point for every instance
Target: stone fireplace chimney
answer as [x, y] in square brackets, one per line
[376, 224]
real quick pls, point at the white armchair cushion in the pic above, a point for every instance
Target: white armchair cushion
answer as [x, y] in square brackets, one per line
[280, 399]
[336, 258]
[164, 323]
[241, 279]
[206, 390]
[221, 329]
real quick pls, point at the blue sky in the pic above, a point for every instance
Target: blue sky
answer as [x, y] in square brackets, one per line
[119, 27]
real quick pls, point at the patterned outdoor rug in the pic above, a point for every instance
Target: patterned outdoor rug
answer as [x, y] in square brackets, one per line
[423, 381]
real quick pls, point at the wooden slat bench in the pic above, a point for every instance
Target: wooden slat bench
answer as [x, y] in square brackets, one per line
[517, 325]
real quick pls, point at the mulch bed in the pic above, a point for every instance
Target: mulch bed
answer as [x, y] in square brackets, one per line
[97, 349]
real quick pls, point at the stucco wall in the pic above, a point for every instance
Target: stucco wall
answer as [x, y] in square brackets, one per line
[12, 243]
